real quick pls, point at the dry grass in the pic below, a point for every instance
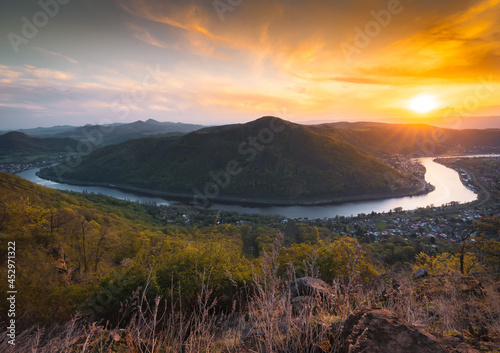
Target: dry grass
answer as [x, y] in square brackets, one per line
[468, 306]
[274, 325]
[443, 305]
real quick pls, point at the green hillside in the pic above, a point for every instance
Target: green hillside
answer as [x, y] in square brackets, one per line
[17, 142]
[251, 161]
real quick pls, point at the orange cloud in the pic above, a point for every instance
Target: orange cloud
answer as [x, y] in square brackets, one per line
[457, 48]
[270, 54]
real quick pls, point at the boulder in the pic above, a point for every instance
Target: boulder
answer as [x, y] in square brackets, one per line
[381, 331]
[308, 293]
[74, 274]
[420, 273]
[311, 287]
[302, 304]
[59, 258]
[457, 345]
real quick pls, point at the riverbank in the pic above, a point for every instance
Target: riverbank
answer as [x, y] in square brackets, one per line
[421, 189]
[468, 177]
[448, 189]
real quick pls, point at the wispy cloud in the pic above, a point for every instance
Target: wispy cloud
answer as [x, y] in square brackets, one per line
[57, 55]
[264, 55]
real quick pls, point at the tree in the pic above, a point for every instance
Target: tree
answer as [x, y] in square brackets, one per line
[463, 249]
[447, 262]
[487, 244]
[24, 217]
[59, 217]
[89, 240]
[335, 260]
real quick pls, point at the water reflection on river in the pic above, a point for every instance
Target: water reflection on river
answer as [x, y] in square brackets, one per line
[447, 182]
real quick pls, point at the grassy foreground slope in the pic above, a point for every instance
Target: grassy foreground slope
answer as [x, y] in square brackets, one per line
[70, 248]
[266, 159]
[141, 286]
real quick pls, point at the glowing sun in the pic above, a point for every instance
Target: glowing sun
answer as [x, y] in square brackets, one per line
[423, 103]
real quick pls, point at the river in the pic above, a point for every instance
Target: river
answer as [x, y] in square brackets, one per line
[448, 188]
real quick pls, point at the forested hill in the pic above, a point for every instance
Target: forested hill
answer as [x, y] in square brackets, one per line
[17, 142]
[266, 159]
[412, 139]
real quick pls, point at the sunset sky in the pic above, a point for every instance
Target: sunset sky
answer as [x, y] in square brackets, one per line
[222, 61]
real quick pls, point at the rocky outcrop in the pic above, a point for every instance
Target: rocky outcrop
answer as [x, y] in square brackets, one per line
[59, 258]
[311, 287]
[381, 331]
[457, 345]
[421, 273]
[307, 292]
[61, 261]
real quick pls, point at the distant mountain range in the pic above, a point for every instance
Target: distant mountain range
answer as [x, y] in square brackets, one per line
[443, 121]
[267, 159]
[370, 137]
[103, 135]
